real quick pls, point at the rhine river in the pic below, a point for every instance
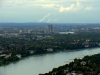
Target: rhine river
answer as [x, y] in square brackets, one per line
[37, 64]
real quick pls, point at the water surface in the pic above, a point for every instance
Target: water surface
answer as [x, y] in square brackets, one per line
[37, 64]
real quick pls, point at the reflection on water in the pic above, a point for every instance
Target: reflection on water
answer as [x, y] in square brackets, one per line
[44, 63]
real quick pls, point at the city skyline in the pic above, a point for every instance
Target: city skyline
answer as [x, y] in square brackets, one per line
[62, 11]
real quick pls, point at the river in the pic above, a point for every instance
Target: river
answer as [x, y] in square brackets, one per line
[37, 64]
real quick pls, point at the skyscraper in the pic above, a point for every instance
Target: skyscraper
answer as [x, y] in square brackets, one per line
[50, 29]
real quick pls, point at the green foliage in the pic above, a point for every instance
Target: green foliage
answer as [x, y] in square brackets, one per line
[92, 66]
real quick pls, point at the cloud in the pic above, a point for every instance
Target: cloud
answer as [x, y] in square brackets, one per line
[41, 0]
[45, 17]
[78, 6]
[1, 2]
[59, 6]
[72, 7]
[50, 17]
[89, 8]
[49, 5]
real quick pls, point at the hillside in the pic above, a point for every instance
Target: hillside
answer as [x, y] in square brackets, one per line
[89, 65]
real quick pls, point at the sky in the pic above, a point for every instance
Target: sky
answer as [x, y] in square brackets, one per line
[50, 11]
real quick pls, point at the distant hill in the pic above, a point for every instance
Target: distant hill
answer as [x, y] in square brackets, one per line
[22, 24]
[43, 24]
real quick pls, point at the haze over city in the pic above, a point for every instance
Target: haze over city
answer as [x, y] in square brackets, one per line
[49, 37]
[50, 11]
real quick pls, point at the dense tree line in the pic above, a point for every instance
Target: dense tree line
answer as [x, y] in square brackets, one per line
[89, 65]
[56, 42]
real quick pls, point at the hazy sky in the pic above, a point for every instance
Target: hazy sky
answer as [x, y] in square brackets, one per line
[58, 11]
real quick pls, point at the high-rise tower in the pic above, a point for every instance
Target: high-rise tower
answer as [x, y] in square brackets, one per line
[50, 28]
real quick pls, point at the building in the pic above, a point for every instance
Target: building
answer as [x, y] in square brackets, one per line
[50, 29]
[66, 33]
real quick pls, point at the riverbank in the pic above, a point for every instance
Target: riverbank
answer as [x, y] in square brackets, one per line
[12, 58]
[89, 65]
[15, 49]
[40, 64]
